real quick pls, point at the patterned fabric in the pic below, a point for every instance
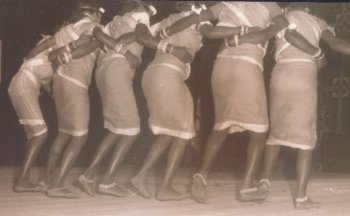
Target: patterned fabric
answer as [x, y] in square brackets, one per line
[24, 93]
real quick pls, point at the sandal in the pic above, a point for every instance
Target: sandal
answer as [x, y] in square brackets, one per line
[140, 189]
[113, 190]
[305, 203]
[61, 192]
[199, 188]
[251, 194]
[86, 185]
[264, 186]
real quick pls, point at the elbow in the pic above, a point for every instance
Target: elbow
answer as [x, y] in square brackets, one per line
[139, 38]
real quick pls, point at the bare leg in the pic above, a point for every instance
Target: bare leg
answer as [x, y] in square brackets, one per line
[85, 180]
[107, 143]
[107, 185]
[215, 141]
[254, 154]
[33, 147]
[270, 158]
[70, 155]
[167, 192]
[304, 161]
[55, 153]
[199, 183]
[159, 146]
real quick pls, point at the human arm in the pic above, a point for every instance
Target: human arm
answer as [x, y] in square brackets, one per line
[44, 45]
[107, 40]
[145, 38]
[335, 43]
[119, 45]
[219, 32]
[186, 22]
[71, 46]
[81, 51]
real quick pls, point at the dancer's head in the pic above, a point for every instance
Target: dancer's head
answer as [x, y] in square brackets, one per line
[137, 6]
[87, 8]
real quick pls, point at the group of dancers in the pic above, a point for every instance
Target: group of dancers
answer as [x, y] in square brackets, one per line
[63, 64]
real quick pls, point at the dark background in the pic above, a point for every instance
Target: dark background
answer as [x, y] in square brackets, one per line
[23, 21]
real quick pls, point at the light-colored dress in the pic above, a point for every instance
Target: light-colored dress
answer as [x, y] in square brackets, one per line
[71, 82]
[169, 100]
[293, 88]
[24, 91]
[237, 78]
[114, 79]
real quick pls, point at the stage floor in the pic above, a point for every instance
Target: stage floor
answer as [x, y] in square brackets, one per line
[332, 190]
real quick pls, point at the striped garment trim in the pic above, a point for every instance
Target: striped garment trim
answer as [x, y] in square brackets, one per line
[244, 58]
[72, 34]
[32, 122]
[74, 132]
[35, 62]
[176, 68]
[281, 61]
[116, 55]
[122, 131]
[274, 141]
[31, 76]
[39, 133]
[236, 126]
[175, 133]
[75, 81]
[283, 48]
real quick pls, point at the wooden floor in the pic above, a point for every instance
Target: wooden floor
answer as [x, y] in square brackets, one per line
[332, 190]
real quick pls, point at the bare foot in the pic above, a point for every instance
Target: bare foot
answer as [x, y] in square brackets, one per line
[199, 188]
[305, 204]
[169, 193]
[113, 190]
[86, 185]
[61, 192]
[140, 187]
[26, 186]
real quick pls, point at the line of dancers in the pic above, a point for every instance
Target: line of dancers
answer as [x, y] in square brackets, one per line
[63, 64]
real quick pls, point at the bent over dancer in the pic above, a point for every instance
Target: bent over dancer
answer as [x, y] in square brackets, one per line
[114, 78]
[34, 75]
[293, 102]
[70, 92]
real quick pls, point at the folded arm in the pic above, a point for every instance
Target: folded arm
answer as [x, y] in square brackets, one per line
[219, 32]
[108, 41]
[190, 20]
[145, 38]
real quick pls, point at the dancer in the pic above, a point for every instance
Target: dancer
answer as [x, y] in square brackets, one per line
[24, 90]
[168, 98]
[239, 94]
[293, 102]
[114, 78]
[70, 92]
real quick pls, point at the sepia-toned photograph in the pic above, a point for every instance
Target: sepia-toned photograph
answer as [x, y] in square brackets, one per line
[174, 108]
